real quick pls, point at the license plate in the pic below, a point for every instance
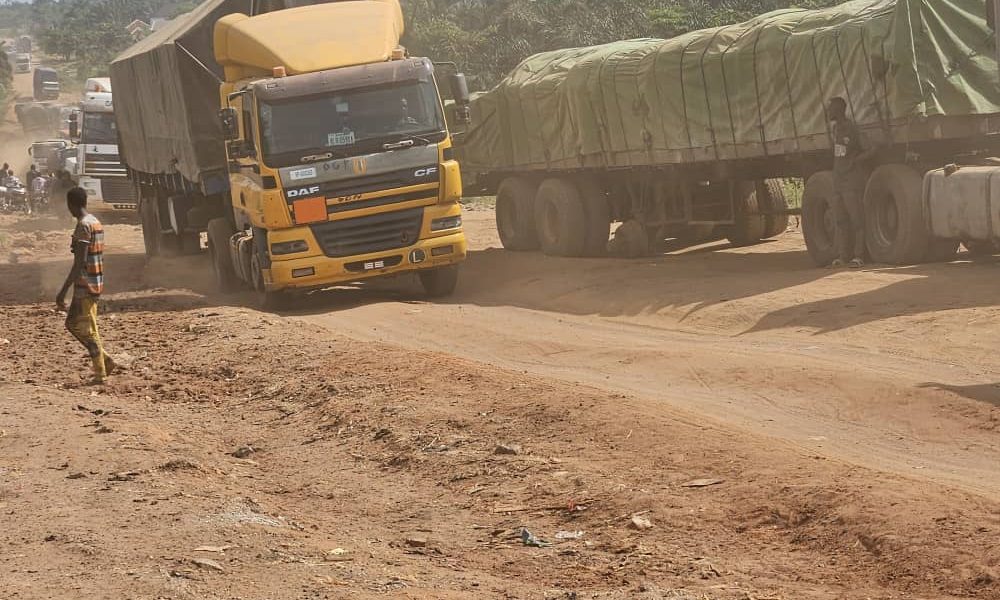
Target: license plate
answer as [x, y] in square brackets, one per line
[375, 264]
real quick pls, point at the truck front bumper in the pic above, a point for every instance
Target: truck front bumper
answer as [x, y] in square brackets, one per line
[321, 271]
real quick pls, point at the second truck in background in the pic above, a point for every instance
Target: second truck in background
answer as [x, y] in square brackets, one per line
[329, 162]
[97, 165]
[685, 138]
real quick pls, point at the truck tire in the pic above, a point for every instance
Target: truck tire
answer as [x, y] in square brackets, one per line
[819, 222]
[631, 240]
[439, 282]
[894, 216]
[560, 219]
[597, 217]
[219, 233]
[150, 226]
[270, 300]
[515, 214]
[750, 225]
[772, 200]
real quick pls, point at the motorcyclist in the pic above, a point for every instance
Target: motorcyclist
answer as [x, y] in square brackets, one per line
[30, 177]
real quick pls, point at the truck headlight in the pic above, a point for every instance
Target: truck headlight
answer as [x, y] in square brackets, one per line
[289, 247]
[446, 223]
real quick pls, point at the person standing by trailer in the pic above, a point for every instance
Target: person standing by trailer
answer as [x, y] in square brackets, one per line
[87, 279]
[849, 178]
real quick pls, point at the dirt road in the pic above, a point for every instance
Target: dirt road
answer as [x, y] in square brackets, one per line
[715, 423]
[13, 145]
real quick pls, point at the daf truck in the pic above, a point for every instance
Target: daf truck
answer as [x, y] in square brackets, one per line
[688, 138]
[304, 142]
[98, 167]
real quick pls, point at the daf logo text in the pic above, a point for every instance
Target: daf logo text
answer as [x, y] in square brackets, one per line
[303, 192]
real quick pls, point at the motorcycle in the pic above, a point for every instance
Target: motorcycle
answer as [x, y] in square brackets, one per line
[40, 193]
[14, 197]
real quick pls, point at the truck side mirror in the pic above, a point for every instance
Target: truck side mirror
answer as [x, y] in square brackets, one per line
[230, 120]
[460, 89]
[460, 93]
[74, 126]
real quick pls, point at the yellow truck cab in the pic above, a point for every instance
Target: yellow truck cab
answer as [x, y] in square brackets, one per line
[341, 165]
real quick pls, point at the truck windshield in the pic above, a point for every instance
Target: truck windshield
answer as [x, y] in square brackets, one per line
[99, 128]
[350, 122]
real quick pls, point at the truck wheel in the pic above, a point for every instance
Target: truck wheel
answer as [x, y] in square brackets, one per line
[150, 226]
[894, 216]
[560, 219]
[439, 282]
[772, 200]
[267, 299]
[597, 217]
[219, 233]
[515, 214]
[631, 240]
[750, 224]
[819, 222]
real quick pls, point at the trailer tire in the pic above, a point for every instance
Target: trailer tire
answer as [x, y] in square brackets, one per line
[819, 223]
[597, 215]
[219, 233]
[772, 200]
[515, 214]
[750, 225]
[560, 218]
[894, 216]
[150, 226]
[631, 240]
[439, 282]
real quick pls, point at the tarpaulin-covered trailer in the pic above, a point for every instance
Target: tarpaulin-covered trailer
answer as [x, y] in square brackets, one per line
[659, 123]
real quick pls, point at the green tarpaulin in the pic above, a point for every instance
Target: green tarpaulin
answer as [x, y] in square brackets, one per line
[748, 90]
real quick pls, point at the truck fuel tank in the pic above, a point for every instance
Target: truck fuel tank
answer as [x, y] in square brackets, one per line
[963, 203]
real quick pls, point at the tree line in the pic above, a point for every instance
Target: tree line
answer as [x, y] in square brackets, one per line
[487, 38]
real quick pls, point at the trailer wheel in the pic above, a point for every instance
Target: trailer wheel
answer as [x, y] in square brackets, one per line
[560, 218]
[219, 233]
[819, 222]
[631, 240]
[515, 214]
[597, 215]
[150, 226]
[894, 216]
[772, 200]
[439, 282]
[750, 225]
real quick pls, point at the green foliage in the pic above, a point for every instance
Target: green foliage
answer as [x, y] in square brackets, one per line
[488, 38]
[6, 78]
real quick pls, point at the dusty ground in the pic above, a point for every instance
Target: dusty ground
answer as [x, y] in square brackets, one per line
[369, 444]
[388, 447]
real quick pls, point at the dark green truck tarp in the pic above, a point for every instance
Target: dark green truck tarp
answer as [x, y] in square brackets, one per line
[749, 90]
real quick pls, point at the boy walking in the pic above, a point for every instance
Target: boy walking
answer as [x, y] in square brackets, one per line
[87, 279]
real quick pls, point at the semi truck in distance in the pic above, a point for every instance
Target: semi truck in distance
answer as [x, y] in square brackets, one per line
[303, 141]
[22, 62]
[688, 137]
[97, 166]
[46, 84]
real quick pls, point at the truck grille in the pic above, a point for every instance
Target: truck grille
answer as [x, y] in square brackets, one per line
[118, 192]
[106, 165]
[374, 233]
